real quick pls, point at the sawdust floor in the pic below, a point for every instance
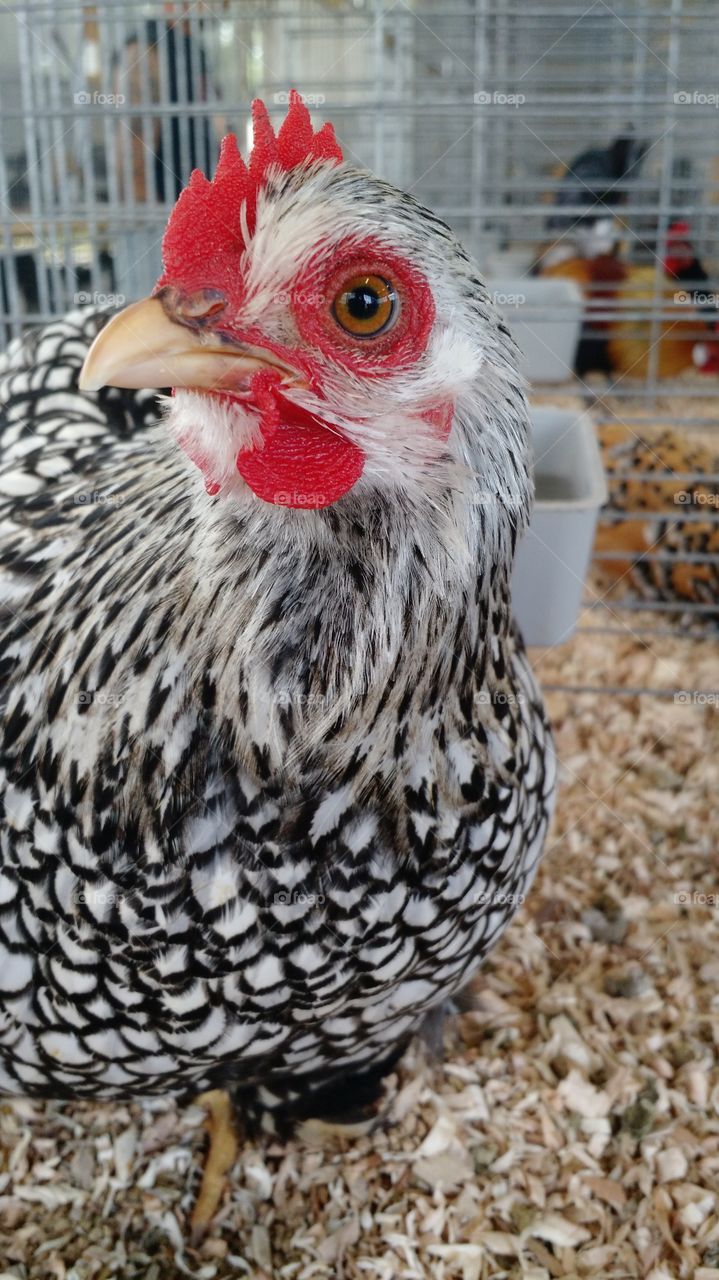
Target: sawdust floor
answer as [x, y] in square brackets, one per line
[574, 1129]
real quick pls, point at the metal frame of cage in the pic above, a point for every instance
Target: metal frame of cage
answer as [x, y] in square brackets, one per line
[420, 92]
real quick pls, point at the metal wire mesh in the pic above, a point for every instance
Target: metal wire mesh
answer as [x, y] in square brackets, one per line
[480, 108]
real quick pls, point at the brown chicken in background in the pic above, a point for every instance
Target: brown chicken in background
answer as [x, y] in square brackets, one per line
[644, 469]
[622, 347]
[660, 471]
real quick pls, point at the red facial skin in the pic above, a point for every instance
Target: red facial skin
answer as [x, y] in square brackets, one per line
[306, 462]
[399, 345]
[303, 461]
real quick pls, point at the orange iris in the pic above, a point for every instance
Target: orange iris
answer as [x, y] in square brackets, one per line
[366, 305]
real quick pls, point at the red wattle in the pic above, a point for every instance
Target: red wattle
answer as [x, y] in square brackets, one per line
[302, 461]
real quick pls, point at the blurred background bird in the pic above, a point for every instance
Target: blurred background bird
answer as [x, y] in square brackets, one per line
[667, 547]
[684, 338]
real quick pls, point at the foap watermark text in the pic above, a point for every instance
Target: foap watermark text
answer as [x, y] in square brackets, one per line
[496, 98]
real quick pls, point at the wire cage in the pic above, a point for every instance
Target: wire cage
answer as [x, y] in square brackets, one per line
[553, 135]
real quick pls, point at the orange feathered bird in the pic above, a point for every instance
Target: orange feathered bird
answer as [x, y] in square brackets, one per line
[622, 347]
[648, 476]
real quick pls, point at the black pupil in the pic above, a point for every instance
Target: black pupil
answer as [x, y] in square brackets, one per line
[362, 302]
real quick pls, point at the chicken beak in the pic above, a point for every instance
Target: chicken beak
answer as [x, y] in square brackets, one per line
[142, 346]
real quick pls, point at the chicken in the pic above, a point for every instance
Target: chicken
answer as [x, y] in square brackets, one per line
[685, 337]
[275, 772]
[601, 278]
[683, 265]
[599, 178]
[667, 547]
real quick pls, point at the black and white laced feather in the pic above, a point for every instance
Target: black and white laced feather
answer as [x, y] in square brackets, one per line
[272, 782]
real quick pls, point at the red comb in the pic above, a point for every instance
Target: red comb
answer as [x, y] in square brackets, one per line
[205, 222]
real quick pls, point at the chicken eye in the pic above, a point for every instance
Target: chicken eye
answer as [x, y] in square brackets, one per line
[366, 306]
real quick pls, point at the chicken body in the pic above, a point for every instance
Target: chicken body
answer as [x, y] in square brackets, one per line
[273, 780]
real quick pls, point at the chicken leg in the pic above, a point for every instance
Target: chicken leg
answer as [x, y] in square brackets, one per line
[222, 1153]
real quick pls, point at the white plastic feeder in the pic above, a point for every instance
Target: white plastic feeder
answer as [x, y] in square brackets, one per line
[501, 263]
[553, 557]
[545, 317]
